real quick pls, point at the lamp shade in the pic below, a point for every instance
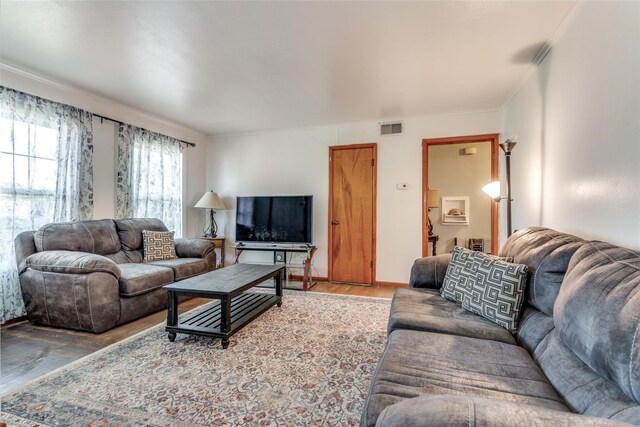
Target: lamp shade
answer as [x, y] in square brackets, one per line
[492, 189]
[433, 200]
[210, 200]
[509, 145]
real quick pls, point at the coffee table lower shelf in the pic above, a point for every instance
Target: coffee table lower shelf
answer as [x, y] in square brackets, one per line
[206, 321]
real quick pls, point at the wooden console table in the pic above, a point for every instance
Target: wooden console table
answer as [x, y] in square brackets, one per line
[307, 282]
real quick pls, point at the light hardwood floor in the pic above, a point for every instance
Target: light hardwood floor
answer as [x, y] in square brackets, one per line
[28, 351]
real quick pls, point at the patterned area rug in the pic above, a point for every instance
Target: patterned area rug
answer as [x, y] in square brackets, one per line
[308, 363]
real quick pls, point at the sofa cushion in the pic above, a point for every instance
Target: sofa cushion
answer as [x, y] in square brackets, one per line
[137, 279]
[533, 327]
[134, 256]
[96, 237]
[423, 363]
[119, 257]
[597, 312]
[184, 267]
[158, 245]
[426, 310]
[546, 253]
[467, 411]
[130, 231]
[583, 390]
[495, 291]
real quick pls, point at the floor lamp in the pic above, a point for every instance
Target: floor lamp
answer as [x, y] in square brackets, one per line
[493, 188]
[210, 201]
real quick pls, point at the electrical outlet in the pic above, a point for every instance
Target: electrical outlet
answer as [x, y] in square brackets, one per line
[402, 186]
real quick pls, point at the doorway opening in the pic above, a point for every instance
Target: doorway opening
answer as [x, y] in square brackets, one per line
[458, 200]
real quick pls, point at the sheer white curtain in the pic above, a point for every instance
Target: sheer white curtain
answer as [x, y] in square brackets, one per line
[149, 179]
[46, 175]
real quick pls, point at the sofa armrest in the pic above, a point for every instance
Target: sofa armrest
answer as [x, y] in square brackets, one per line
[71, 262]
[470, 411]
[429, 272]
[194, 248]
[24, 245]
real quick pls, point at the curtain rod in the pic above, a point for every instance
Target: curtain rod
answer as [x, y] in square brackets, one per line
[123, 123]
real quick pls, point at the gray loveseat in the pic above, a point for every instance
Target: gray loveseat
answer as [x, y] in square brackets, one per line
[575, 360]
[89, 275]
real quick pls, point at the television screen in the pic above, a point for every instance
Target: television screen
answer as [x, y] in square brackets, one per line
[277, 219]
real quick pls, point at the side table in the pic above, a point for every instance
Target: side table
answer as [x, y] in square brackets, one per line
[433, 240]
[219, 242]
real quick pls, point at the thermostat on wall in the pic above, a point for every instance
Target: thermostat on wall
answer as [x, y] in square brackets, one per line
[402, 186]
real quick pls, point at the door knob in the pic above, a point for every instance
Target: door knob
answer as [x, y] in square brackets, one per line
[334, 222]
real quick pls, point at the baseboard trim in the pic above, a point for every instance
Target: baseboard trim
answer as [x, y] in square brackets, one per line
[392, 284]
[13, 322]
[315, 279]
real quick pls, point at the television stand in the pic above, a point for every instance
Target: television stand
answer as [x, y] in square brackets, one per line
[307, 282]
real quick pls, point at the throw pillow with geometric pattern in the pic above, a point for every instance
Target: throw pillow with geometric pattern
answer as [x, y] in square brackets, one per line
[495, 291]
[459, 272]
[457, 275]
[158, 245]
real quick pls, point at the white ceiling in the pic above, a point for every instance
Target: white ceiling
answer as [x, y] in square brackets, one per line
[224, 67]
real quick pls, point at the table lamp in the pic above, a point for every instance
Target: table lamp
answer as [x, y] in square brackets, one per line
[211, 201]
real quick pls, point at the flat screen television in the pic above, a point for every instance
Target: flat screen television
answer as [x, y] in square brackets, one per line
[274, 219]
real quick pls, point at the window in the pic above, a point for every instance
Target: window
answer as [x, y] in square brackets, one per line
[46, 175]
[28, 163]
[149, 181]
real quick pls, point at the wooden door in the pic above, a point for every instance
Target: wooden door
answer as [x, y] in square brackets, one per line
[352, 213]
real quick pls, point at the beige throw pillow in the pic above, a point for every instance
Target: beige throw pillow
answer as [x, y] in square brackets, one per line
[158, 245]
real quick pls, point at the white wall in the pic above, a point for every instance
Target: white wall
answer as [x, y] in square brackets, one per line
[578, 118]
[295, 161]
[104, 142]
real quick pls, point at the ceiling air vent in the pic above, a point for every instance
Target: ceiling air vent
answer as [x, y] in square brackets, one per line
[390, 128]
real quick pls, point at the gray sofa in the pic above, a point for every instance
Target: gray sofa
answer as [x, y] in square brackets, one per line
[89, 275]
[575, 360]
